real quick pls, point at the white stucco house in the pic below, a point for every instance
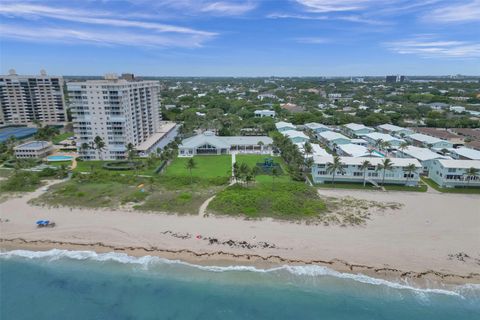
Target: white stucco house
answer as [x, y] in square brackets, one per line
[352, 171]
[208, 143]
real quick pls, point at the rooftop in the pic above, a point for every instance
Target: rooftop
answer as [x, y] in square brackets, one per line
[467, 153]
[396, 162]
[422, 154]
[36, 145]
[460, 164]
[391, 127]
[438, 133]
[154, 138]
[356, 126]
[295, 134]
[354, 150]
[382, 136]
[283, 124]
[425, 138]
[331, 135]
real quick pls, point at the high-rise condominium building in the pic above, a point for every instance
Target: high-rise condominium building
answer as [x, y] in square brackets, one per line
[118, 111]
[25, 99]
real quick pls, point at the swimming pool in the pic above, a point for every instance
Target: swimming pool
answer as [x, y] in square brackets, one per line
[59, 158]
[378, 153]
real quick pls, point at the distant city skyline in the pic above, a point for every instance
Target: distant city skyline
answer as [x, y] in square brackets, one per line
[241, 38]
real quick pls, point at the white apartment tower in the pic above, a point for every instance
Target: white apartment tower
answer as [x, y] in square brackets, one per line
[25, 99]
[116, 110]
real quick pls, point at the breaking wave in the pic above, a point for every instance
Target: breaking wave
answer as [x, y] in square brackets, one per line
[306, 270]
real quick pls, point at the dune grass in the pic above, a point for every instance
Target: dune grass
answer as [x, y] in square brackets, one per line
[282, 200]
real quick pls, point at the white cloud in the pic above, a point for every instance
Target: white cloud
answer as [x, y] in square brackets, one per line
[98, 37]
[312, 40]
[228, 8]
[295, 16]
[83, 28]
[456, 12]
[431, 47]
[333, 5]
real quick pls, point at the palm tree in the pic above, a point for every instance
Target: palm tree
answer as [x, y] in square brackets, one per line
[471, 173]
[131, 152]
[403, 146]
[364, 166]
[379, 144]
[191, 164]
[275, 173]
[309, 164]
[99, 145]
[386, 164]
[411, 168]
[370, 150]
[307, 148]
[333, 167]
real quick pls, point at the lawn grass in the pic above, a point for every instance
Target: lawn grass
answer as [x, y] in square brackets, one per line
[206, 167]
[60, 137]
[283, 200]
[60, 163]
[97, 165]
[434, 185]
[252, 159]
[359, 186]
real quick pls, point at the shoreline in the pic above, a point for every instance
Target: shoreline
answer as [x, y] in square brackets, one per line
[224, 258]
[427, 240]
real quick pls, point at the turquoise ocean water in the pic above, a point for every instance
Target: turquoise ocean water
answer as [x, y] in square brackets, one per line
[60, 284]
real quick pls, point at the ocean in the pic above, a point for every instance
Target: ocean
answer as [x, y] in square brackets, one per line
[61, 284]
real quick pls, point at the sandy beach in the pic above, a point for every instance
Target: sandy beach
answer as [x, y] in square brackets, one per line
[432, 237]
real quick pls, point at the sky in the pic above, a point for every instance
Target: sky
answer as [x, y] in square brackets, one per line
[241, 37]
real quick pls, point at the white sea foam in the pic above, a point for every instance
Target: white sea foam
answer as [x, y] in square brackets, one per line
[308, 270]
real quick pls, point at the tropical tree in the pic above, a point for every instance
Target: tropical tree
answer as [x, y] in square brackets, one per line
[403, 146]
[364, 166]
[470, 174]
[409, 170]
[379, 144]
[335, 166]
[191, 164]
[307, 148]
[385, 166]
[131, 151]
[99, 145]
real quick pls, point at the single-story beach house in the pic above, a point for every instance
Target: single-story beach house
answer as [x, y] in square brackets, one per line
[424, 155]
[452, 173]
[296, 136]
[356, 130]
[355, 150]
[394, 130]
[284, 126]
[464, 153]
[33, 149]
[208, 143]
[374, 137]
[332, 138]
[316, 128]
[423, 140]
[352, 171]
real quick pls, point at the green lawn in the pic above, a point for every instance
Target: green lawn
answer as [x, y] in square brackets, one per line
[60, 163]
[290, 200]
[97, 165]
[59, 138]
[359, 186]
[434, 185]
[206, 167]
[252, 159]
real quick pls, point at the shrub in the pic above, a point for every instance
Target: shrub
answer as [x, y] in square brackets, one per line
[21, 181]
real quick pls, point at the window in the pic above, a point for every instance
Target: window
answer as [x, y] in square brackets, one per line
[358, 174]
[322, 173]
